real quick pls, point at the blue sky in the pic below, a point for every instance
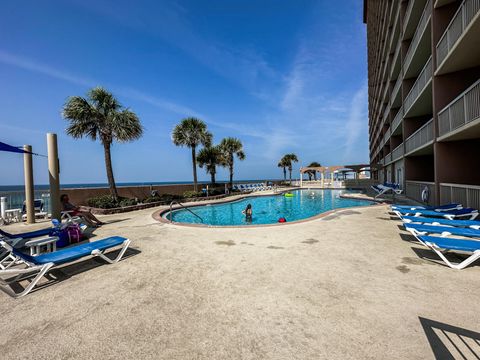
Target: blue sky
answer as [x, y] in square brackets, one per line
[283, 76]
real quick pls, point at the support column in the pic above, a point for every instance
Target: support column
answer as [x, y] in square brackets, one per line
[54, 175]
[301, 179]
[322, 179]
[29, 187]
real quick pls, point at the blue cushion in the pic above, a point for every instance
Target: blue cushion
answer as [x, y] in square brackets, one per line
[443, 221]
[72, 253]
[29, 235]
[433, 229]
[452, 243]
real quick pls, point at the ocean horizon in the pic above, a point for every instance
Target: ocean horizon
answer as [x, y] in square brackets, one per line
[21, 187]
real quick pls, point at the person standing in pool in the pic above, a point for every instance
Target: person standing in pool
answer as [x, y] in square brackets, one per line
[248, 212]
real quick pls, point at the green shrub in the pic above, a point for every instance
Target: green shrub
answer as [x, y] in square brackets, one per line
[192, 194]
[162, 197]
[107, 202]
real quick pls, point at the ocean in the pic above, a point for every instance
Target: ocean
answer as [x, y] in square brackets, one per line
[15, 194]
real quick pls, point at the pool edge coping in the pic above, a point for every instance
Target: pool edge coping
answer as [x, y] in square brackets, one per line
[157, 215]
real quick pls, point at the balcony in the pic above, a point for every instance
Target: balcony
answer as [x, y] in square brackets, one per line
[467, 195]
[420, 42]
[420, 87]
[460, 114]
[413, 189]
[395, 99]
[420, 138]
[387, 159]
[395, 70]
[397, 153]
[397, 120]
[458, 47]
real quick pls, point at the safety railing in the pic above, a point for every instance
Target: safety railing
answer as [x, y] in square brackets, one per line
[464, 109]
[415, 189]
[397, 120]
[460, 21]
[417, 88]
[467, 195]
[422, 24]
[183, 207]
[420, 137]
[397, 153]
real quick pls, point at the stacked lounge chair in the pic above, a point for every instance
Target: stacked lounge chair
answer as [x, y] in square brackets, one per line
[444, 221]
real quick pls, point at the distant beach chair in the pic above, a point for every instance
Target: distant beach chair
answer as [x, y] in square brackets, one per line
[442, 244]
[451, 214]
[43, 263]
[385, 188]
[38, 205]
[474, 224]
[445, 207]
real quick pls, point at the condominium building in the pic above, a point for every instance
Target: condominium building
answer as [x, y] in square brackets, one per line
[424, 97]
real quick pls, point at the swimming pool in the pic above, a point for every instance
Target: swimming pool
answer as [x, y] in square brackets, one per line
[267, 209]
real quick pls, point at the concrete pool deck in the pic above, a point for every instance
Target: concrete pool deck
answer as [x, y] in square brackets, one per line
[348, 286]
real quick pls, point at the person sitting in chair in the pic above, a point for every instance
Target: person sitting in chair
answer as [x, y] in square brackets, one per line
[87, 216]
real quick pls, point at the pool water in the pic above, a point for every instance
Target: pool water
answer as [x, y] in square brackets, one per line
[267, 209]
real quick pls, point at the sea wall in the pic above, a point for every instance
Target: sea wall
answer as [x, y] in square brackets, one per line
[80, 196]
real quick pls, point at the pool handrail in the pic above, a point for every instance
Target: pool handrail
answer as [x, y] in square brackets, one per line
[184, 207]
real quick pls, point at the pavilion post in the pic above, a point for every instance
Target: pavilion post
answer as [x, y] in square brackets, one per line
[54, 175]
[29, 187]
[322, 179]
[301, 178]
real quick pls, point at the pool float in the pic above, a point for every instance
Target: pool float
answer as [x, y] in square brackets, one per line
[289, 195]
[282, 220]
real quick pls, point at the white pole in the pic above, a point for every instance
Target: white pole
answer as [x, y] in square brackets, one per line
[29, 187]
[3, 207]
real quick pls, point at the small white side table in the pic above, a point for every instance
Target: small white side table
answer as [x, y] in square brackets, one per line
[13, 215]
[44, 245]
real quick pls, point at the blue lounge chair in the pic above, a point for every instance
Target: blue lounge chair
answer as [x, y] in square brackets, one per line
[418, 229]
[442, 244]
[474, 224]
[41, 264]
[446, 207]
[28, 235]
[451, 214]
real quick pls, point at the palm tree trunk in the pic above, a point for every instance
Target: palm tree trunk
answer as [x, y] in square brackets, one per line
[284, 174]
[194, 164]
[290, 172]
[212, 176]
[231, 175]
[108, 166]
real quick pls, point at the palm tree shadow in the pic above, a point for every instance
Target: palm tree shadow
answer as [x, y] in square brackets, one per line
[60, 274]
[451, 342]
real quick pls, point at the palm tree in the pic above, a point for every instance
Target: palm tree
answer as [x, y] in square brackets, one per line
[282, 164]
[210, 157]
[100, 116]
[314, 173]
[192, 132]
[289, 160]
[229, 148]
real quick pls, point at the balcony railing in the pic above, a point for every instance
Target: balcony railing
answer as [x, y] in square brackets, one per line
[387, 159]
[464, 109]
[420, 137]
[427, 11]
[413, 189]
[408, 12]
[395, 89]
[395, 57]
[462, 18]
[397, 153]
[467, 195]
[397, 120]
[419, 85]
